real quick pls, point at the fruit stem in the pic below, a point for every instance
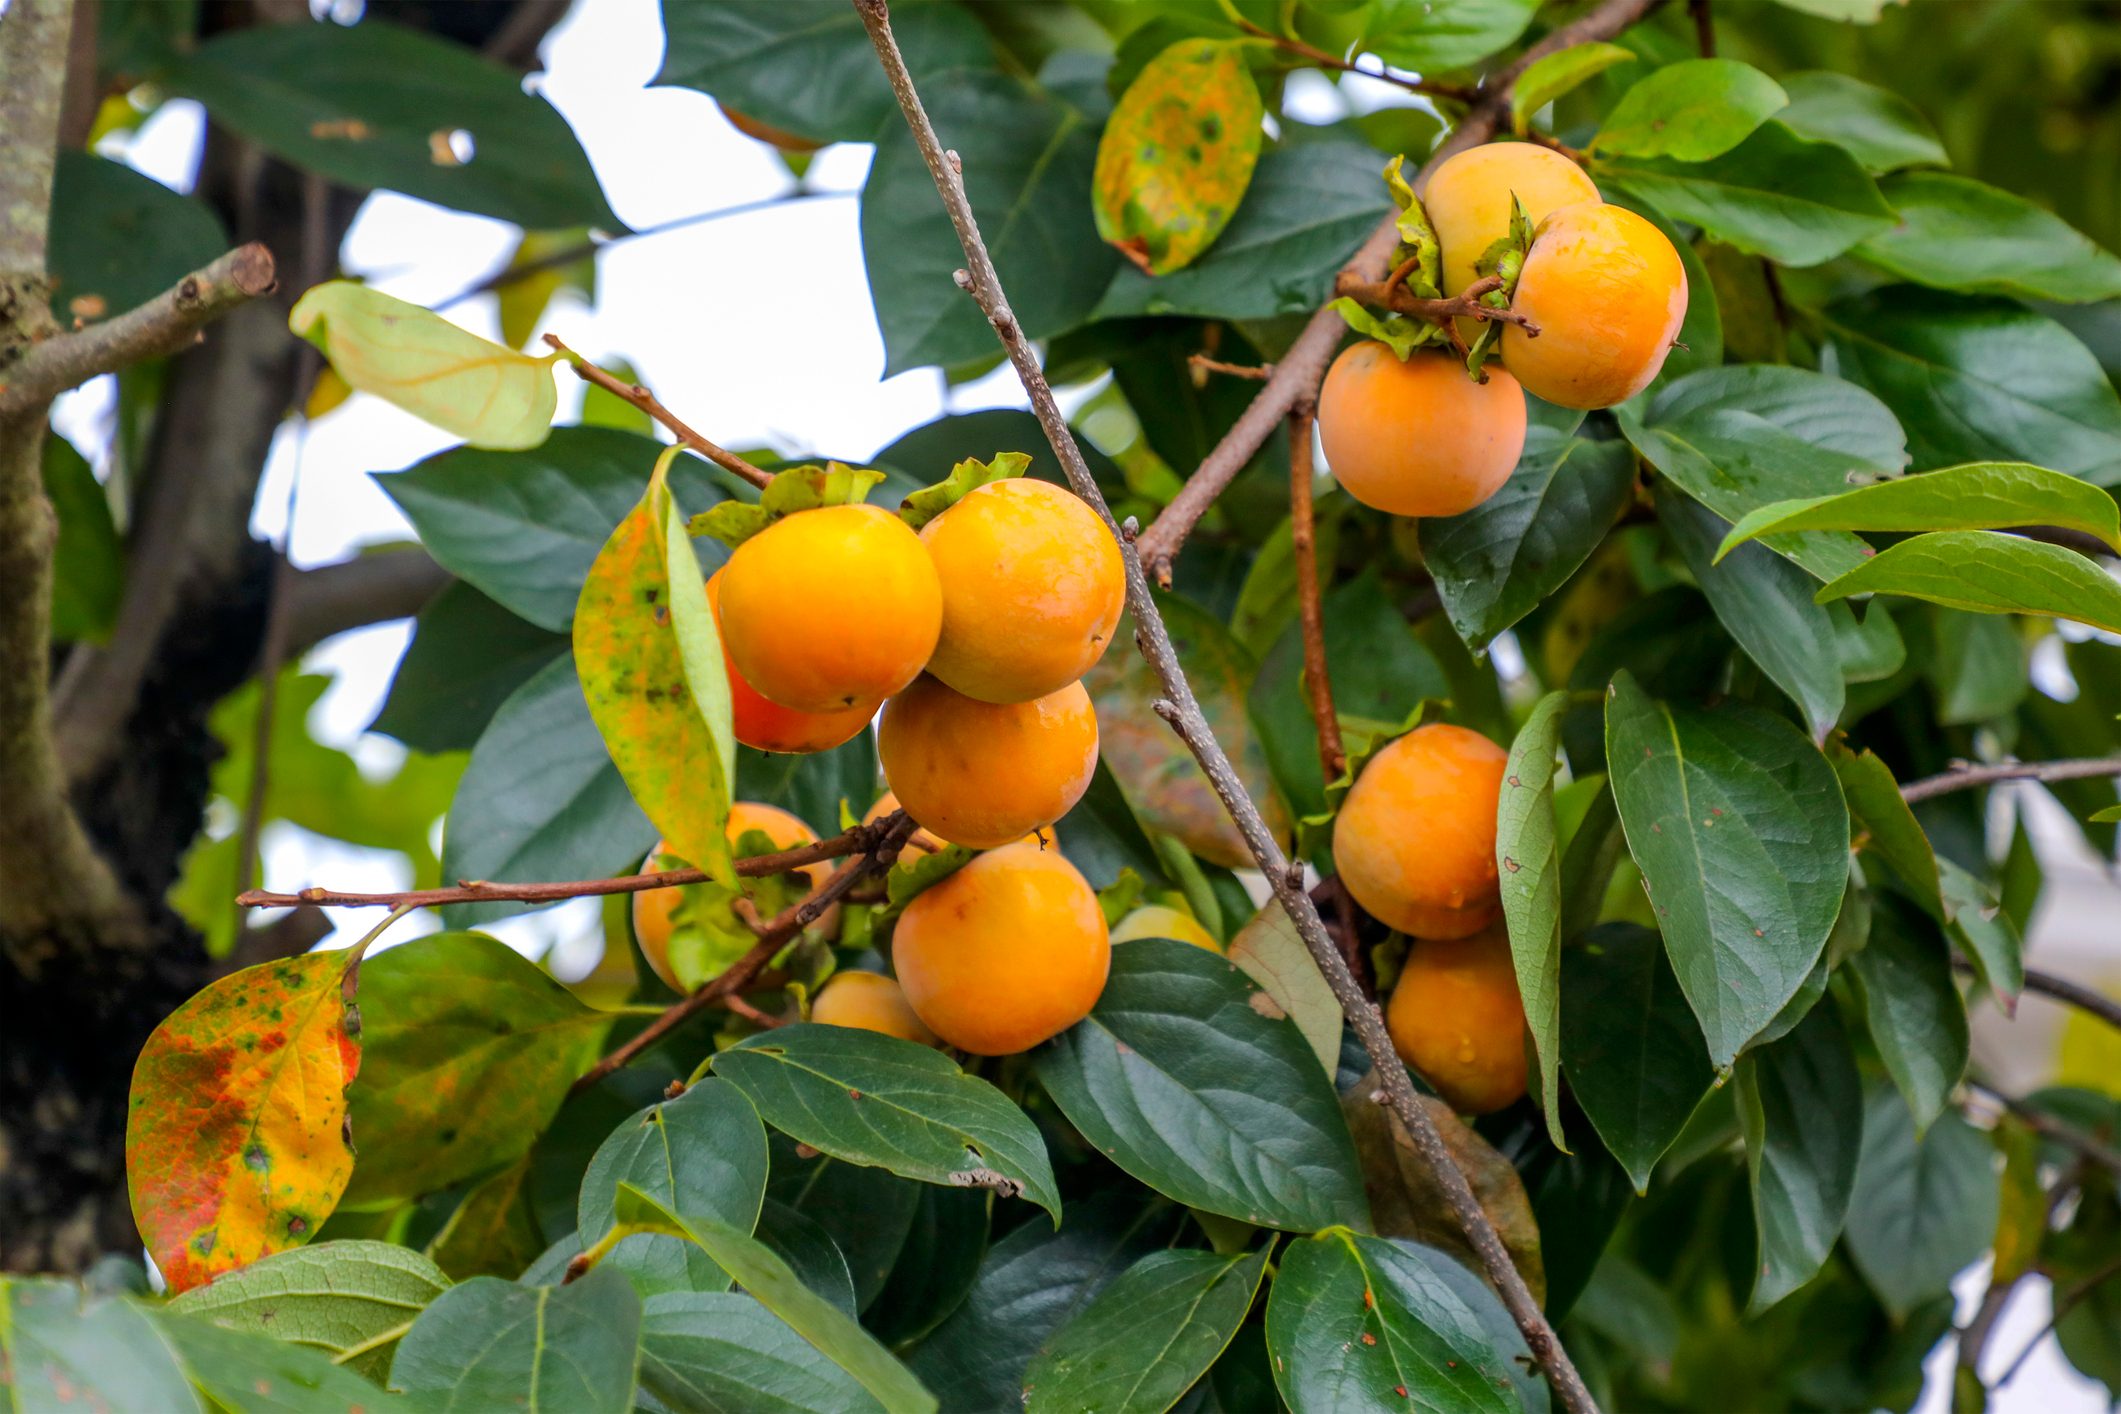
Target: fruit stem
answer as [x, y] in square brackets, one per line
[640, 397]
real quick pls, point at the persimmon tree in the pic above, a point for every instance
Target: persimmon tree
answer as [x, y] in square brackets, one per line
[1429, 848]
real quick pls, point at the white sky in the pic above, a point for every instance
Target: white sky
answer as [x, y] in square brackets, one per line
[755, 328]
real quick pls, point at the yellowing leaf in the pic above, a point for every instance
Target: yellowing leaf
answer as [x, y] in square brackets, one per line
[526, 296]
[489, 395]
[235, 1139]
[650, 662]
[1177, 154]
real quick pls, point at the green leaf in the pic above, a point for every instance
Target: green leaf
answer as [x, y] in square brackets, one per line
[703, 1155]
[809, 1251]
[1876, 807]
[753, 1265]
[1345, 1340]
[1146, 1078]
[490, 1344]
[1032, 1282]
[119, 237]
[61, 1347]
[1775, 194]
[494, 1232]
[1744, 436]
[1739, 827]
[867, 1212]
[375, 105]
[1402, 333]
[1559, 73]
[491, 396]
[1978, 496]
[806, 66]
[1917, 1018]
[1799, 1100]
[956, 437]
[799, 488]
[723, 1350]
[1691, 111]
[1529, 861]
[88, 560]
[1959, 234]
[1980, 379]
[1459, 1305]
[1177, 154]
[1874, 125]
[1765, 602]
[467, 1050]
[1983, 932]
[1977, 666]
[255, 1373]
[1308, 210]
[937, 1266]
[1027, 161]
[1433, 35]
[874, 1099]
[466, 656]
[1499, 561]
[1144, 1340]
[965, 478]
[350, 1300]
[1989, 573]
[1924, 1209]
[524, 527]
[530, 282]
[540, 799]
[1271, 953]
[1634, 1053]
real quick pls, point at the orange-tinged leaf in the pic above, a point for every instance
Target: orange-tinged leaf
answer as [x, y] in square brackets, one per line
[235, 1142]
[650, 661]
[1177, 154]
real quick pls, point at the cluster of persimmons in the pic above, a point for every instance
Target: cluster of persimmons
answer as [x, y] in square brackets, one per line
[972, 636]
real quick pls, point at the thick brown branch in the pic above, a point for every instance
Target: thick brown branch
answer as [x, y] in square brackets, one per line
[1966, 775]
[163, 325]
[646, 401]
[1310, 608]
[367, 589]
[1463, 305]
[1182, 710]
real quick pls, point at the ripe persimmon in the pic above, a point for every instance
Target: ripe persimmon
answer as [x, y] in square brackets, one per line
[1159, 920]
[655, 910]
[766, 725]
[869, 1001]
[1468, 199]
[1005, 953]
[1032, 584]
[1418, 438]
[831, 608]
[1608, 293]
[1455, 1016]
[1415, 839]
[981, 774]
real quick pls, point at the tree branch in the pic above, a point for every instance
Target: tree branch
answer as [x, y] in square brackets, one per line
[163, 325]
[1298, 373]
[1310, 608]
[1180, 708]
[640, 397]
[368, 589]
[1463, 305]
[2062, 1132]
[1966, 775]
[2061, 989]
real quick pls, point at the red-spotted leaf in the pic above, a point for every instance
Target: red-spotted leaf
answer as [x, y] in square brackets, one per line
[1177, 154]
[650, 661]
[235, 1141]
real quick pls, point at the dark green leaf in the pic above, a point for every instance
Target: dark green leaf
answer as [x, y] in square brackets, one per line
[1799, 1100]
[347, 1299]
[1143, 1341]
[467, 1050]
[466, 656]
[494, 1232]
[1896, 837]
[1430, 35]
[1499, 561]
[937, 1265]
[1917, 1018]
[1959, 234]
[1876, 126]
[375, 104]
[1925, 1208]
[490, 1344]
[874, 1099]
[1633, 1049]
[809, 1252]
[1146, 1078]
[1692, 110]
[1983, 932]
[1740, 830]
[1978, 667]
[1459, 1305]
[1989, 573]
[711, 1351]
[88, 561]
[1775, 194]
[1977, 496]
[1027, 161]
[255, 1373]
[540, 799]
[119, 237]
[1529, 859]
[1345, 1340]
[1980, 379]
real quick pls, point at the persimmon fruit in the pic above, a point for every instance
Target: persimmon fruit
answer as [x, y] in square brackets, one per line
[1415, 839]
[1455, 1015]
[1608, 292]
[1033, 586]
[981, 774]
[1005, 953]
[869, 1001]
[1468, 200]
[1418, 438]
[831, 608]
[766, 725]
[655, 910]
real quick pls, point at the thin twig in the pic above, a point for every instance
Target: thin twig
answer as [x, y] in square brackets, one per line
[2061, 989]
[2061, 1131]
[1463, 305]
[1965, 775]
[1202, 366]
[1182, 710]
[640, 397]
[1303, 540]
[1310, 53]
[1704, 27]
[738, 1006]
[2060, 1307]
[1555, 144]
